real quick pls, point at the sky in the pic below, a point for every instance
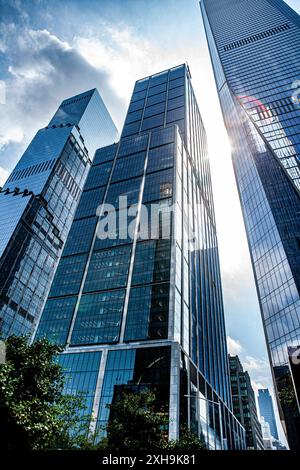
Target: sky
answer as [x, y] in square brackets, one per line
[53, 49]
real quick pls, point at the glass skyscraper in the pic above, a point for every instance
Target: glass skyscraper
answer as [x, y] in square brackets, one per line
[266, 410]
[145, 308]
[255, 51]
[244, 405]
[38, 202]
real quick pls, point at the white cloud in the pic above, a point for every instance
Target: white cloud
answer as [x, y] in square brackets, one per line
[259, 371]
[121, 53]
[234, 346]
[257, 385]
[42, 71]
[11, 135]
[254, 364]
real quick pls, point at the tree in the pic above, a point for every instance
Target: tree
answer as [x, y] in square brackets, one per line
[34, 412]
[287, 393]
[187, 442]
[134, 423]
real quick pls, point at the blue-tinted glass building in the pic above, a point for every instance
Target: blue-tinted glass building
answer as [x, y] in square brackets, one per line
[255, 51]
[38, 202]
[144, 309]
[244, 405]
[266, 410]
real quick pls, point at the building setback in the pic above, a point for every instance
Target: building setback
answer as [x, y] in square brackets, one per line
[38, 202]
[146, 309]
[255, 51]
[244, 406]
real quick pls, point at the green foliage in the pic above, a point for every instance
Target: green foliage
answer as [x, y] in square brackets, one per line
[187, 442]
[134, 424]
[34, 413]
[287, 394]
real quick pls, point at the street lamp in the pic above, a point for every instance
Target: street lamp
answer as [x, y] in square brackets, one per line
[220, 413]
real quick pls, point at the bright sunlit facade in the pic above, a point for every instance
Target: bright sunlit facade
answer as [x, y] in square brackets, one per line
[255, 51]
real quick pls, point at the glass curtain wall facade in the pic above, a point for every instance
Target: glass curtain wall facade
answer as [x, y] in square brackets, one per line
[38, 202]
[244, 406]
[266, 410]
[148, 303]
[255, 52]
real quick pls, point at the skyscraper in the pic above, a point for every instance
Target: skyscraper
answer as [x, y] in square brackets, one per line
[266, 410]
[38, 202]
[145, 308]
[266, 433]
[244, 406]
[254, 48]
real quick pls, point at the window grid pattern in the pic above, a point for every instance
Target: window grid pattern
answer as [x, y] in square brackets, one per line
[115, 304]
[98, 318]
[269, 202]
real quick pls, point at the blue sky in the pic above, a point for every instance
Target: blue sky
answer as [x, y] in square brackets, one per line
[50, 50]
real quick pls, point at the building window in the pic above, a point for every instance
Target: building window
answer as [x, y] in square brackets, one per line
[152, 262]
[81, 373]
[98, 318]
[56, 320]
[68, 276]
[89, 202]
[158, 185]
[80, 236]
[128, 167]
[148, 310]
[130, 189]
[98, 176]
[108, 269]
[161, 158]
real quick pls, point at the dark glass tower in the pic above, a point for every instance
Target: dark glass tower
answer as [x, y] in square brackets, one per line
[244, 406]
[146, 308]
[38, 202]
[255, 51]
[266, 410]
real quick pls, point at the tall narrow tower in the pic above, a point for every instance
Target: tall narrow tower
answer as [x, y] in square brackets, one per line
[255, 51]
[38, 202]
[266, 410]
[145, 307]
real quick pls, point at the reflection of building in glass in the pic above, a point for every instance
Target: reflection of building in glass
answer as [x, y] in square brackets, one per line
[244, 406]
[38, 202]
[149, 310]
[254, 74]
